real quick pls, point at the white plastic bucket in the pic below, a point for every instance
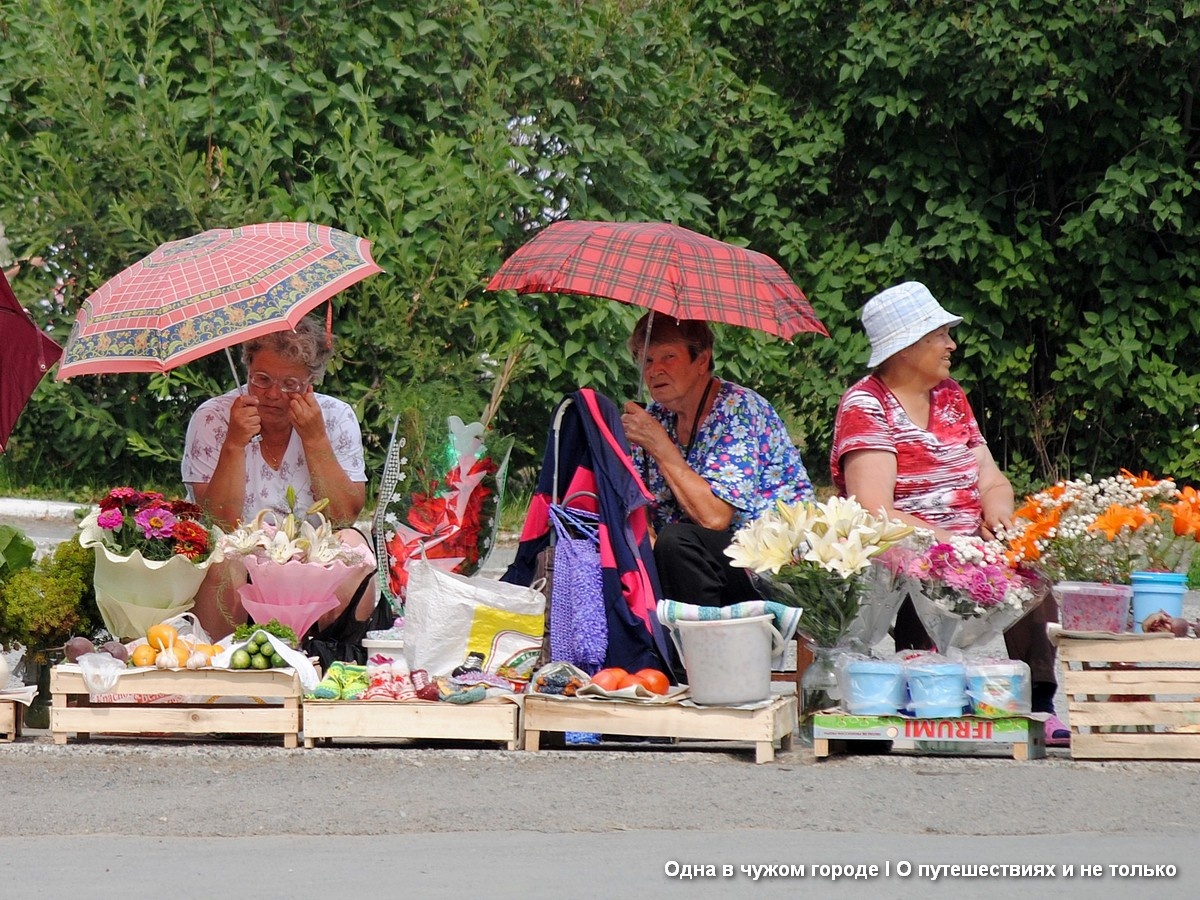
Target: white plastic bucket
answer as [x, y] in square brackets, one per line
[391, 650]
[728, 661]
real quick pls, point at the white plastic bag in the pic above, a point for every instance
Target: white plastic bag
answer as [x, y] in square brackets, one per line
[447, 616]
[101, 672]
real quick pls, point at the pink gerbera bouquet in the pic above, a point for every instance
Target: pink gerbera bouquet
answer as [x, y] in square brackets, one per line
[965, 590]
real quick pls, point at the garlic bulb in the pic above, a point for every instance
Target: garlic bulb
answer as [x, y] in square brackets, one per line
[197, 660]
[166, 659]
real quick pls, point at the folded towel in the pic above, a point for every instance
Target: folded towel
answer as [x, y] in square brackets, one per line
[786, 618]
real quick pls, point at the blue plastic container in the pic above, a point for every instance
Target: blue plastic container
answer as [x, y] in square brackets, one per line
[873, 687]
[1153, 591]
[999, 688]
[937, 690]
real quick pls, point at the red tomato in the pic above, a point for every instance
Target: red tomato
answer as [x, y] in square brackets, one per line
[609, 679]
[656, 681]
[631, 680]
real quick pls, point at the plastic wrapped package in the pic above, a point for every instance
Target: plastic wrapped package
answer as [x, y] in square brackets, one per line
[937, 686]
[999, 687]
[871, 687]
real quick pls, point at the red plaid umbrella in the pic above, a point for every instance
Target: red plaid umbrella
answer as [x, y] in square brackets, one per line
[664, 268]
[25, 355]
[191, 297]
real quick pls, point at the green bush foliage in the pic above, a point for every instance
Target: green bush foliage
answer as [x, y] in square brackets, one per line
[1036, 164]
[43, 605]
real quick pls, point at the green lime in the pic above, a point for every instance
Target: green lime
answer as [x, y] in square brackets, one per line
[252, 648]
[278, 662]
[239, 660]
[261, 637]
[258, 661]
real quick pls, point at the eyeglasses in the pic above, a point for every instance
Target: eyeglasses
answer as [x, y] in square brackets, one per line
[265, 382]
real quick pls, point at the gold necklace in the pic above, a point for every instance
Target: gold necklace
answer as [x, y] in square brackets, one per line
[273, 459]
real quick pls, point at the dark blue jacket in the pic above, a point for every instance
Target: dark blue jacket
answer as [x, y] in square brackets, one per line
[588, 449]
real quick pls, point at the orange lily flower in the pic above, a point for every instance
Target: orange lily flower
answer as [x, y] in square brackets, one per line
[1116, 517]
[1185, 513]
[1141, 481]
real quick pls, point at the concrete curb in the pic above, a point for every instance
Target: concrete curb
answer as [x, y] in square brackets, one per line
[17, 508]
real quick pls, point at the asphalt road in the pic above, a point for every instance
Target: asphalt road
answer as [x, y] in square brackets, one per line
[111, 818]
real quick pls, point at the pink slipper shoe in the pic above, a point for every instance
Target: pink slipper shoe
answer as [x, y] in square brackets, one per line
[1057, 733]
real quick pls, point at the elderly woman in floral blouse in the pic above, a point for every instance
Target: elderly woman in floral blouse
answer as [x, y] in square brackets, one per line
[245, 449]
[714, 454]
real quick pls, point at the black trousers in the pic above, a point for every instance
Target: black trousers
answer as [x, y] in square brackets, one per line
[693, 568]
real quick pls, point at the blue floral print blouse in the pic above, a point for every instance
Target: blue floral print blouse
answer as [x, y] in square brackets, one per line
[742, 450]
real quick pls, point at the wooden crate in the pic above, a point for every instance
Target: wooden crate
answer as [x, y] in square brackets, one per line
[11, 714]
[1135, 697]
[763, 726]
[797, 658]
[488, 720]
[216, 701]
[1020, 736]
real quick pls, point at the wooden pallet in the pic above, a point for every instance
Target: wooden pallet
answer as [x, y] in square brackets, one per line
[215, 701]
[1022, 737]
[1136, 697]
[763, 726]
[11, 714]
[488, 720]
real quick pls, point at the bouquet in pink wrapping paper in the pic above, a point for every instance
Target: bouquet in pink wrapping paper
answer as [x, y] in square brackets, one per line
[296, 564]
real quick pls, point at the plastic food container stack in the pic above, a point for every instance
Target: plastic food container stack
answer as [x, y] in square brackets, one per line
[999, 688]
[936, 690]
[873, 687]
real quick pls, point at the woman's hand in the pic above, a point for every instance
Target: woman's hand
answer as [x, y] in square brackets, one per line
[305, 415]
[691, 491]
[643, 429]
[995, 493]
[244, 420]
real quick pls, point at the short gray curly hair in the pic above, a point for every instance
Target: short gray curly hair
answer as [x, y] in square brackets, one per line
[307, 345]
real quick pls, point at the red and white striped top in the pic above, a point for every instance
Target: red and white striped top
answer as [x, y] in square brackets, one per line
[937, 475]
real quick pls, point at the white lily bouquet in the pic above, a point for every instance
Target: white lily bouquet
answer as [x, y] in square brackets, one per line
[296, 563]
[818, 556]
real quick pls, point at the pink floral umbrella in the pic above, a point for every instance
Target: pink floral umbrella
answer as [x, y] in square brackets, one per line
[208, 292]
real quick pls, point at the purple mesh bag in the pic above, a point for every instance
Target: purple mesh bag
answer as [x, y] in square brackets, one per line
[578, 624]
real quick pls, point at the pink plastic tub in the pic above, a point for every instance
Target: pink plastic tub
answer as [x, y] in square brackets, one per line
[1092, 606]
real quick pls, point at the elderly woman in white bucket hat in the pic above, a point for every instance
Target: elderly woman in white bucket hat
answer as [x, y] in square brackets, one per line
[906, 441]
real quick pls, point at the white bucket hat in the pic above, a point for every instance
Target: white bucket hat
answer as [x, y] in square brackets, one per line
[901, 316]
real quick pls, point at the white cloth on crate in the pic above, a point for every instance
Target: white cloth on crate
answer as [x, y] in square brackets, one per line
[267, 487]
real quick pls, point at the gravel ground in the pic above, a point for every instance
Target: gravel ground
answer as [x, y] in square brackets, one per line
[157, 789]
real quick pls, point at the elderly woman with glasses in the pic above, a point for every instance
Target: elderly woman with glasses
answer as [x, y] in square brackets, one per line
[245, 449]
